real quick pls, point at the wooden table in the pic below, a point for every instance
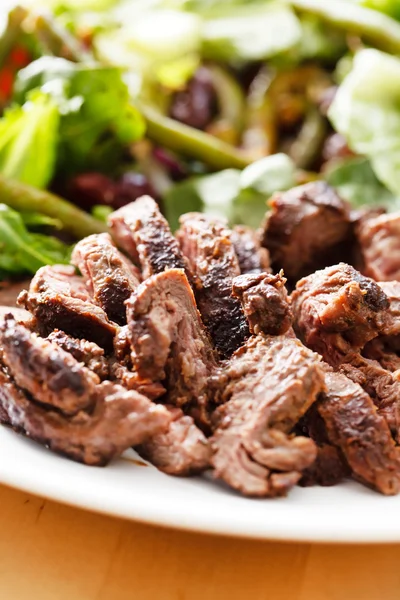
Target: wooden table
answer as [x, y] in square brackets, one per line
[53, 552]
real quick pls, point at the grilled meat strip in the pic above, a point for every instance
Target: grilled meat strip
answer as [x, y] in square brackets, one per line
[308, 228]
[118, 420]
[379, 241]
[252, 257]
[328, 468]
[142, 231]
[265, 388]
[212, 262]
[54, 377]
[337, 311]
[380, 350]
[264, 301]
[109, 275]
[182, 449]
[88, 353]
[59, 299]
[169, 341]
[356, 428]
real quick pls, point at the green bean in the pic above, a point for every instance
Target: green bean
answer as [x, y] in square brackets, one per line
[304, 150]
[228, 126]
[260, 135]
[192, 142]
[374, 27]
[58, 41]
[24, 197]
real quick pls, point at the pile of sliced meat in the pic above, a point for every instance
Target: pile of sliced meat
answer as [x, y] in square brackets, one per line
[258, 355]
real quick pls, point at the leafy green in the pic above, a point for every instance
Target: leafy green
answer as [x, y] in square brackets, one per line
[357, 183]
[93, 102]
[28, 140]
[251, 32]
[390, 7]
[239, 196]
[36, 220]
[366, 111]
[101, 212]
[22, 251]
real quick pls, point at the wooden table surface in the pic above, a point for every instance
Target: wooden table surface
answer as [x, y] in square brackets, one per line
[53, 552]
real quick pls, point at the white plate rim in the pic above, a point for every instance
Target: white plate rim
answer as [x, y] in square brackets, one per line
[348, 513]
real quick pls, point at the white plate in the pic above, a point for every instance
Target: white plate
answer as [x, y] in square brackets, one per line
[345, 513]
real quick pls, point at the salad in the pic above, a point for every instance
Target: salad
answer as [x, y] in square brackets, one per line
[205, 105]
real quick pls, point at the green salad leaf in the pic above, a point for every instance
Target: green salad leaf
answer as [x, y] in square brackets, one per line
[356, 182]
[251, 32]
[28, 140]
[93, 103]
[239, 196]
[22, 251]
[366, 111]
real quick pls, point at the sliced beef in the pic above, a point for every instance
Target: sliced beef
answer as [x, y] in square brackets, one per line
[119, 419]
[122, 369]
[169, 341]
[130, 379]
[88, 353]
[264, 301]
[307, 228]
[109, 275]
[379, 241]
[207, 246]
[182, 449]
[337, 311]
[382, 385]
[142, 231]
[355, 427]
[264, 389]
[328, 468]
[391, 325]
[59, 299]
[380, 349]
[54, 377]
[252, 257]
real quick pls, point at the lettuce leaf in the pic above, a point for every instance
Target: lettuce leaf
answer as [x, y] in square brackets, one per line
[366, 111]
[93, 102]
[239, 196]
[22, 251]
[251, 32]
[28, 140]
[356, 182]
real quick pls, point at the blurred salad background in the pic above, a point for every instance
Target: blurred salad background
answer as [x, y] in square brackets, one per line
[206, 105]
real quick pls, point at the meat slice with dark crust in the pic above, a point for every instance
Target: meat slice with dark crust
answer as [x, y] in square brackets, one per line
[264, 301]
[379, 241]
[354, 425]
[337, 311]
[142, 231]
[391, 325]
[212, 262]
[381, 350]
[182, 449]
[54, 377]
[118, 420]
[328, 468]
[252, 257]
[307, 228]
[382, 385]
[59, 299]
[265, 388]
[168, 339]
[109, 275]
[88, 353]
